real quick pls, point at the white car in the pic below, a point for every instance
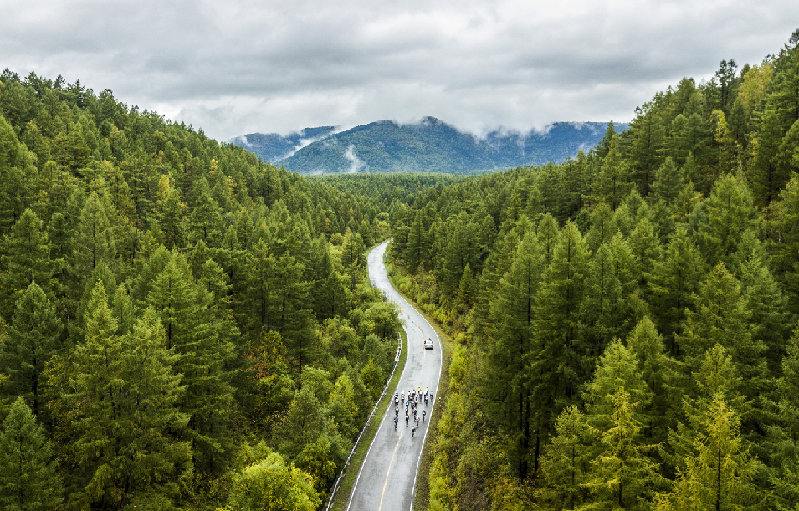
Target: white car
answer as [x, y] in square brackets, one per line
[428, 344]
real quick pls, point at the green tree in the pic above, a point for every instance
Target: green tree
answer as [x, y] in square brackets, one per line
[559, 361]
[720, 317]
[673, 282]
[566, 463]
[25, 259]
[668, 181]
[719, 473]
[28, 477]
[783, 441]
[33, 339]
[623, 472]
[272, 485]
[507, 384]
[125, 393]
[94, 241]
[204, 351]
[720, 221]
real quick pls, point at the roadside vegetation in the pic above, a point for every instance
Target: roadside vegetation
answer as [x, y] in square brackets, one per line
[625, 323]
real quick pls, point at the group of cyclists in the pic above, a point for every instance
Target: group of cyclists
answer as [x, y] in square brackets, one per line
[411, 403]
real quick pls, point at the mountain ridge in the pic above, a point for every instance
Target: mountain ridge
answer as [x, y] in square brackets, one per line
[430, 145]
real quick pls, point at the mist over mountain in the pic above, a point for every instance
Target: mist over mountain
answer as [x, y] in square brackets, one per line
[430, 145]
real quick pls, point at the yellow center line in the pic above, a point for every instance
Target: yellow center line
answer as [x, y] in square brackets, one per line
[385, 485]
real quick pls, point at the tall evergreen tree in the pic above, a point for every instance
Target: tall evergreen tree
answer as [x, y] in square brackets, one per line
[28, 477]
[560, 360]
[33, 339]
[25, 259]
[125, 393]
[720, 471]
[507, 384]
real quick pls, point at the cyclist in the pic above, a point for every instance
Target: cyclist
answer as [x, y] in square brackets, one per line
[413, 430]
[406, 419]
[396, 411]
[424, 412]
[403, 398]
[396, 419]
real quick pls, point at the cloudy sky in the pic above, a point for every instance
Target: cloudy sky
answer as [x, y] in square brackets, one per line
[234, 67]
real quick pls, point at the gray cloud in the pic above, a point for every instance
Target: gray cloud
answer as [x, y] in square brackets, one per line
[239, 67]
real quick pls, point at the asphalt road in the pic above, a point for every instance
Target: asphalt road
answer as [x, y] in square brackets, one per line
[387, 479]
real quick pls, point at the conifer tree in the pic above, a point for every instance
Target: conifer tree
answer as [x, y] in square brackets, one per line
[566, 464]
[719, 473]
[17, 177]
[28, 477]
[613, 183]
[721, 220]
[25, 259]
[508, 389]
[125, 393]
[783, 441]
[203, 349]
[720, 317]
[560, 360]
[673, 282]
[623, 472]
[656, 369]
[668, 181]
[33, 338]
[601, 315]
[94, 241]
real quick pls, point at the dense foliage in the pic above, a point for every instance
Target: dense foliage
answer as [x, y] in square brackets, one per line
[181, 325]
[429, 146]
[625, 322]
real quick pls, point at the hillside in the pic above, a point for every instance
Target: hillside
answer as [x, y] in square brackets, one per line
[428, 146]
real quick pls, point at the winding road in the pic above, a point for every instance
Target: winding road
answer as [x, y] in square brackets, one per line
[387, 479]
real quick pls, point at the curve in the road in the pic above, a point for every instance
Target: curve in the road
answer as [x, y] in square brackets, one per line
[387, 478]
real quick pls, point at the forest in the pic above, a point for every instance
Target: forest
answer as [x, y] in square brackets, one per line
[624, 324]
[181, 325]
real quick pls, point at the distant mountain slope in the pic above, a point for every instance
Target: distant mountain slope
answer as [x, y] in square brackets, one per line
[428, 146]
[274, 147]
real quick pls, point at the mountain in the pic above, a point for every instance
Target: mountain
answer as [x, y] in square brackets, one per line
[428, 146]
[274, 147]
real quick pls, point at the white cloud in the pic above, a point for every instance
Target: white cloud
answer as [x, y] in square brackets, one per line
[238, 67]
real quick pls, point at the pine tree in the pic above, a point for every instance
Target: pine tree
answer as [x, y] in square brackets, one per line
[722, 219]
[720, 317]
[17, 177]
[783, 441]
[33, 339]
[668, 182]
[507, 386]
[656, 369]
[25, 259]
[94, 241]
[601, 316]
[203, 348]
[560, 360]
[673, 281]
[566, 464]
[718, 475]
[28, 477]
[125, 393]
[613, 182]
[623, 472]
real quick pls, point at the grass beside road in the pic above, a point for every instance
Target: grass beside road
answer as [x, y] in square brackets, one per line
[343, 493]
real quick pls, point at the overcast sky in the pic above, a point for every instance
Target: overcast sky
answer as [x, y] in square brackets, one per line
[237, 67]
